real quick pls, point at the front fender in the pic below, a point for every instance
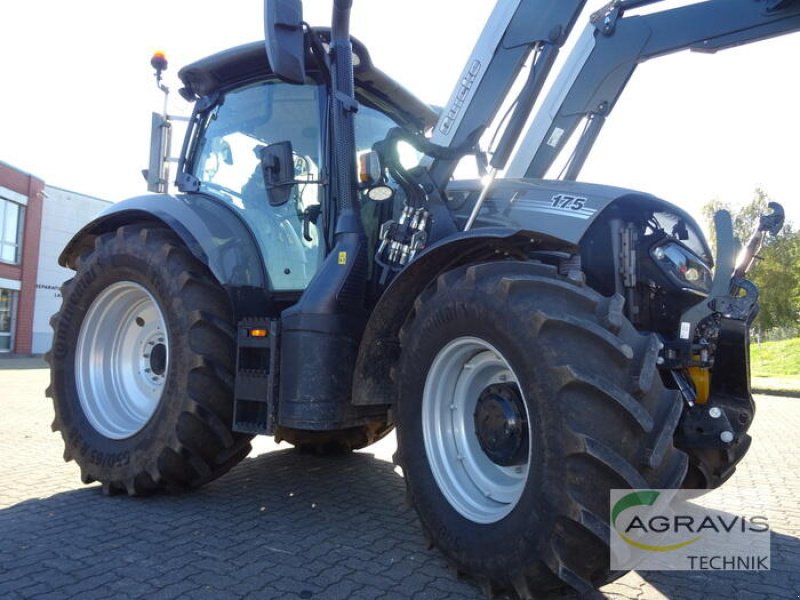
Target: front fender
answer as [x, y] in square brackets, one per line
[212, 232]
[380, 346]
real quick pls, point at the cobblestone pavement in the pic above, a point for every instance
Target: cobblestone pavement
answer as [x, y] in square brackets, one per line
[286, 525]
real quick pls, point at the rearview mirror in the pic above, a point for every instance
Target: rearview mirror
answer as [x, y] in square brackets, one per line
[284, 38]
[277, 166]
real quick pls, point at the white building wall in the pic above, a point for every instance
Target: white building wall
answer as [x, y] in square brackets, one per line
[63, 214]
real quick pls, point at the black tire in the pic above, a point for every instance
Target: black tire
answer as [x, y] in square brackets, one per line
[187, 438]
[598, 418]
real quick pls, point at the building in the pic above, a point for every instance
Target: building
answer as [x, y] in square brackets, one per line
[36, 221]
[21, 197]
[63, 214]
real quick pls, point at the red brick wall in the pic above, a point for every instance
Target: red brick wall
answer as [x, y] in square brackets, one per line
[26, 271]
[10, 271]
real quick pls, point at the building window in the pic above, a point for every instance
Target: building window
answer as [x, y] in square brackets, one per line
[8, 300]
[11, 222]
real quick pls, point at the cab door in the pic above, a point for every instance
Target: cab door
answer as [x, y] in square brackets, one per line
[227, 165]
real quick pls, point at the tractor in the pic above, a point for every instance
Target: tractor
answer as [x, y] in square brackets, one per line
[320, 276]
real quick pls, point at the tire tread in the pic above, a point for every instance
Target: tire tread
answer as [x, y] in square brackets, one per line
[625, 387]
[181, 463]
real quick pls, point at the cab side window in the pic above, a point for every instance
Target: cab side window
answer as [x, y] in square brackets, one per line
[228, 166]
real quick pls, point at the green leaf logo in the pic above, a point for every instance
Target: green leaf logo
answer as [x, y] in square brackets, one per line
[642, 498]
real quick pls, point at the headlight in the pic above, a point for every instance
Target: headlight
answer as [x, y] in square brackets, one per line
[682, 266]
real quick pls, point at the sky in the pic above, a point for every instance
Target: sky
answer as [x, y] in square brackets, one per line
[78, 90]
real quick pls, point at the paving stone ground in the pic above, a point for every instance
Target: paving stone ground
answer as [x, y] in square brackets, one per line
[287, 525]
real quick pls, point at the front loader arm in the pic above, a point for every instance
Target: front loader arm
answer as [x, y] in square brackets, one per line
[514, 29]
[610, 49]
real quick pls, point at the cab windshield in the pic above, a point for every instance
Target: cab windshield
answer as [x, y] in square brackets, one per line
[228, 166]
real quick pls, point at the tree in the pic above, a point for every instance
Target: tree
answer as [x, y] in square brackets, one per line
[777, 270]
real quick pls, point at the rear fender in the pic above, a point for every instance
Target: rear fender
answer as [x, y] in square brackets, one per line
[380, 347]
[212, 232]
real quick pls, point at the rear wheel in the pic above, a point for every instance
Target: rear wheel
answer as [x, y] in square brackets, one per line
[142, 366]
[524, 398]
[119, 392]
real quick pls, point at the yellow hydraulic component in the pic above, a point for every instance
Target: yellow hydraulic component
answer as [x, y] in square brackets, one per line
[701, 378]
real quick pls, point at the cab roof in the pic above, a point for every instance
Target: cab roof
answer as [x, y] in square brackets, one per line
[248, 62]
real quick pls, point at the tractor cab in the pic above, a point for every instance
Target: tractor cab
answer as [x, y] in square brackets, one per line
[244, 113]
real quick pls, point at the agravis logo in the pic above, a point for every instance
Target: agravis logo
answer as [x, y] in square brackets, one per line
[670, 530]
[657, 523]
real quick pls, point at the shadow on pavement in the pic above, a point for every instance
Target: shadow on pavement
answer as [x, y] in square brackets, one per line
[777, 392]
[280, 525]
[781, 581]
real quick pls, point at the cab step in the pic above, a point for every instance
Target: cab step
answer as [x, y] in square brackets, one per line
[256, 386]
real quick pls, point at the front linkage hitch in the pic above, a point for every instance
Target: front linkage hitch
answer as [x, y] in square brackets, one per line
[714, 338]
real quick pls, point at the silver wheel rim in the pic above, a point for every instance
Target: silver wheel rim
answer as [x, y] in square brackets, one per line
[479, 489]
[122, 360]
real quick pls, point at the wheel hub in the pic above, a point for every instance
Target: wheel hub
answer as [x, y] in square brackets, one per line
[501, 426]
[476, 429]
[122, 360]
[153, 360]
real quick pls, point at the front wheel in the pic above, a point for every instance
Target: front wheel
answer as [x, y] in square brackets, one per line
[142, 366]
[524, 399]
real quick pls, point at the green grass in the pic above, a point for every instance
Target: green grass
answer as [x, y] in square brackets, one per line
[775, 359]
[775, 366]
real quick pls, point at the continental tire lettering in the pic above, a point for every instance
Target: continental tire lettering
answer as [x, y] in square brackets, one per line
[110, 459]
